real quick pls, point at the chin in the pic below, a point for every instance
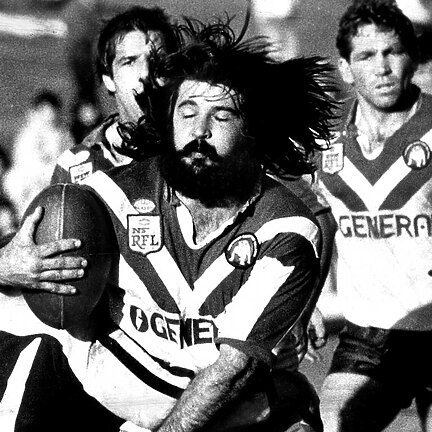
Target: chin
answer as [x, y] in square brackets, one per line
[387, 103]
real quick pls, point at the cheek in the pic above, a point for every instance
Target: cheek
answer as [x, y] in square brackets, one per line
[180, 135]
[228, 140]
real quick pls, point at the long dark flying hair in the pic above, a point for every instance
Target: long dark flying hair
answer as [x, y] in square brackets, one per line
[287, 106]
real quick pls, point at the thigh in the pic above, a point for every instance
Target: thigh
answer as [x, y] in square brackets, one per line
[353, 402]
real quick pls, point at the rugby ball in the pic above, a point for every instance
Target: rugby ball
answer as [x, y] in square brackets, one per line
[73, 211]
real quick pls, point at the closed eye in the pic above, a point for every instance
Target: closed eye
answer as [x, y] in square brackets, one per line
[187, 112]
[225, 114]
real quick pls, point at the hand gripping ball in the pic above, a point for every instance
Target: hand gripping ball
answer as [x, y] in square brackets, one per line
[73, 211]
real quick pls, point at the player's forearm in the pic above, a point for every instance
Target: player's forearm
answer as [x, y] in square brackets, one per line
[210, 391]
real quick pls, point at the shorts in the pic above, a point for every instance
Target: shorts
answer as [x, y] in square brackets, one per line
[401, 358]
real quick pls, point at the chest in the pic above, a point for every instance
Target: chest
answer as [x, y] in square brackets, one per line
[398, 179]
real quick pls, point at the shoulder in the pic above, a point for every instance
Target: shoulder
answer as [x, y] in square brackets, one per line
[280, 200]
[137, 175]
[346, 112]
[303, 190]
[426, 102]
[97, 135]
[79, 154]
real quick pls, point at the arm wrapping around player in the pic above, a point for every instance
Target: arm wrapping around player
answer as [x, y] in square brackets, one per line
[211, 390]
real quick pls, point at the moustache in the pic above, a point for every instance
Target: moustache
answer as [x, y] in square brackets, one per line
[199, 146]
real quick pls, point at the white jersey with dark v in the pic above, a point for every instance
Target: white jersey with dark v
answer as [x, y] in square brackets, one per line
[383, 209]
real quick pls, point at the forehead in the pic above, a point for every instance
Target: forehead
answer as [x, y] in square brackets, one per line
[137, 41]
[370, 36]
[201, 92]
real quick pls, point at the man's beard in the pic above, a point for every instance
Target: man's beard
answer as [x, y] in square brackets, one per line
[213, 180]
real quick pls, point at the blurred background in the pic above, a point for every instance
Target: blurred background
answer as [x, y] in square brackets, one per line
[48, 45]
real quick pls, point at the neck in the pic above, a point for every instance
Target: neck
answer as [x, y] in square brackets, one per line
[207, 220]
[379, 125]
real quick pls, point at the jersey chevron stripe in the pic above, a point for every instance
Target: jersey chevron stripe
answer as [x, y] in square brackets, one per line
[207, 282]
[157, 365]
[140, 371]
[220, 268]
[373, 196]
[292, 224]
[172, 277]
[113, 196]
[405, 190]
[250, 301]
[427, 138]
[12, 398]
[128, 278]
[383, 195]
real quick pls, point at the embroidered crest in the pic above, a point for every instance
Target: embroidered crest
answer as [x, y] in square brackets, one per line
[242, 251]
[332, 159]
[80, 172]
[144, 205]
[417, 155]
[144, 233]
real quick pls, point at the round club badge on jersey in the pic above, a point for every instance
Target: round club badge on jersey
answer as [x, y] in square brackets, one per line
[242, 251]
[417, 155]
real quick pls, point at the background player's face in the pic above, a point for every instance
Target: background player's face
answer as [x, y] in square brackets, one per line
[130, 71]
[379, 68]
[206, 112]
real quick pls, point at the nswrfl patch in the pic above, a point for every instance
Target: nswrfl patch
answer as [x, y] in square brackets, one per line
[333, 158]
[144, 233]
[80, 172]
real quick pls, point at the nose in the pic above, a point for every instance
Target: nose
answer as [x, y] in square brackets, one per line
[382, 65]
[144, 72]
[202, 129]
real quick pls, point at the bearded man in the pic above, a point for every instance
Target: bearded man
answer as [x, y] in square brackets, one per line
[219, 267]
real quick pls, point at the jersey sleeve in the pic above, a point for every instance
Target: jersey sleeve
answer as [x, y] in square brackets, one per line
[303, 189]
[81, 160]
[60, 174]
[280, 287]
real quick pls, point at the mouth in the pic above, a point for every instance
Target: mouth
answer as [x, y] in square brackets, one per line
[386, 86]
[195, 156]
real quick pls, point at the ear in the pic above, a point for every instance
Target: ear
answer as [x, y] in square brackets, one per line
[345, 71]
[109, 83]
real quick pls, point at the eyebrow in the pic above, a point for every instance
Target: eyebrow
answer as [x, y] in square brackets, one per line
[191, 102]
[127, 57]
[187, 103]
